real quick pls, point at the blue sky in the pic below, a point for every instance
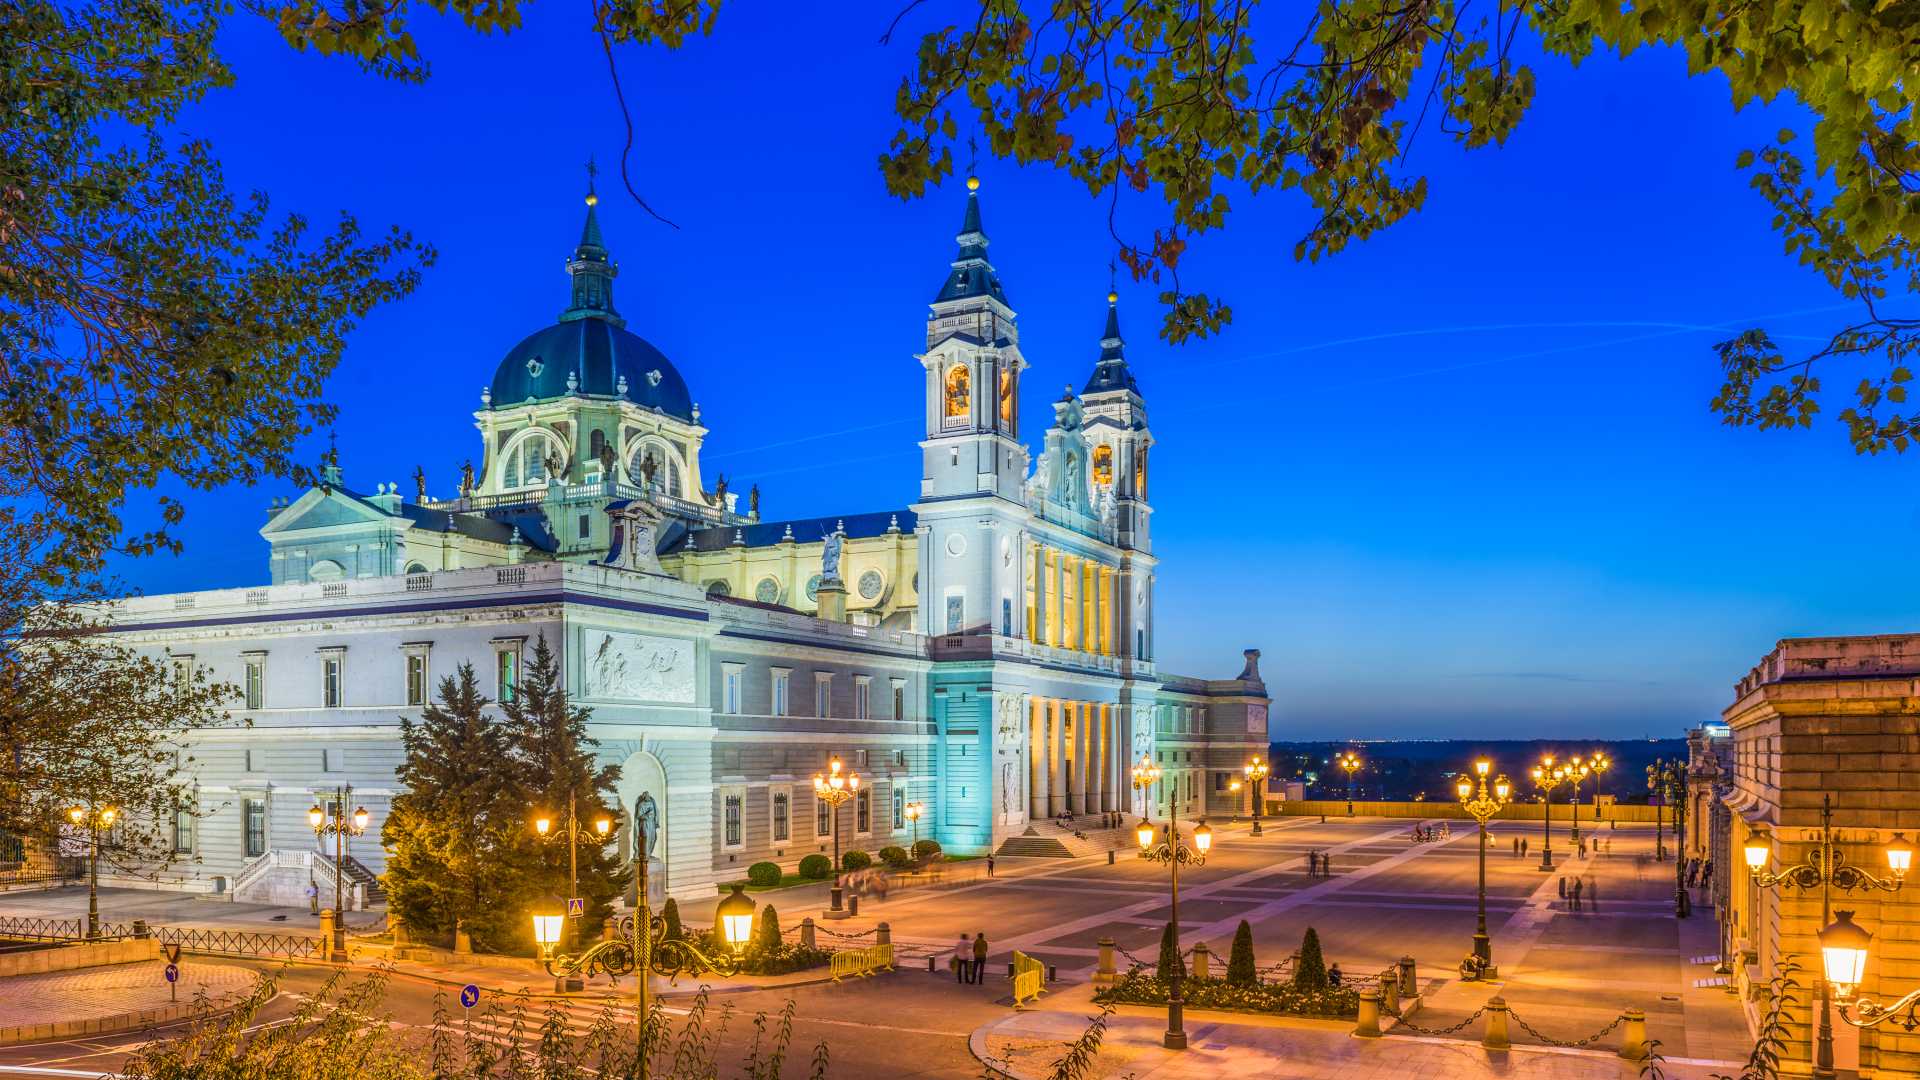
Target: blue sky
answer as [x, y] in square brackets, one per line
[1459, 478]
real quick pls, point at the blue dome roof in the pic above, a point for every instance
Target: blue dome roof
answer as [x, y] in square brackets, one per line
[598, 354]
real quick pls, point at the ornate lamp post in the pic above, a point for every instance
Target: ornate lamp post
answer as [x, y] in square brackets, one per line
[602, 827]
[1546, 776]
[1825, 868]
[913, 812]
[1349, 761]
[1601, 761]
[1145, 775]
[835, 788]
[1578, 769]
[1483, 804]
[95, 818]
[342, 829]
[1664, 777]
[1256, 771]
[1172, 852]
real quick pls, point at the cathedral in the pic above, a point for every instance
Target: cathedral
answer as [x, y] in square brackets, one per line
[983, 652]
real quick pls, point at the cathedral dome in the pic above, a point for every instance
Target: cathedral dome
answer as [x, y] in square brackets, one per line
[599, 355]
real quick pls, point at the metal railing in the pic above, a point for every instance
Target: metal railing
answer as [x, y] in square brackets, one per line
[243, 943]
[18, 928]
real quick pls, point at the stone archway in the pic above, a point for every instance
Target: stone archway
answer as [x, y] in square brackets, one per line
[642, 790]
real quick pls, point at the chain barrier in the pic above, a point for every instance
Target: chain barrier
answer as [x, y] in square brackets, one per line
[846, 937]
[1128, 953]
[1579, 1044]
[1454, 1029]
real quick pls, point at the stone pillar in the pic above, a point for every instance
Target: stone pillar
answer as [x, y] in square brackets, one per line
[1098, 760]
[1104, 974]
[1633, 1035]
[1409, 983]
[831, 601]
[1367, 1025]
[1496, 1035]
[1057, 760]
[883, 934]
[1036, 759]
[1202, 961]
[806, 933]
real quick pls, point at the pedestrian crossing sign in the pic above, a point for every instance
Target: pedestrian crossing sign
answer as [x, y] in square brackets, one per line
[576, 907]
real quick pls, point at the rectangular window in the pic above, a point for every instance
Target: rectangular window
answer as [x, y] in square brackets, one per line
[863, 811]
[730, 689]
[822, 693]
[183, 831]
[781, 801]
[506, 672]
[255, 811]
[1006, 616]
[416, 678]
[330, 682]
[862, 692]
[733, 807]
[822, 818]
[899, 807]
[782, 681]
[256, 682]
[899, 699]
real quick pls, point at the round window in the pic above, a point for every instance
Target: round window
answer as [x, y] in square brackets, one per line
[719, 588]
[956, 545]
[768, 591]
[813, 587]
[871, 583]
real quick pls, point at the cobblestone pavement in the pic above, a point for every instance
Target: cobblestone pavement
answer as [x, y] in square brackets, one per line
[91, 993]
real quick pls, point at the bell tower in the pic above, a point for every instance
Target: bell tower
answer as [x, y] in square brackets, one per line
[1116, 428]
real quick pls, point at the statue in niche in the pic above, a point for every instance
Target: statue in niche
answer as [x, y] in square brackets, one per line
[646, 833]
[647, 468]
[466, 479]
[556, 468]
[830, 557]
[609, 462]
[420, 482]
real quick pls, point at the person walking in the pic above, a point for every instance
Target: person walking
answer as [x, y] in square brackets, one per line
[1523, 845]
[962, 957]
[1563, 887]
[1334, 976]
[980, 957]
[1593, 893]
[1576, 894]
[989, 864]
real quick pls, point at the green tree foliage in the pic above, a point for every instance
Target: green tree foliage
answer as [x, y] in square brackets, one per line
[1310, 971]
[152, 323]
[554, 764]
[1171, 965]
[457, 853]
[766, 936]
[1241, 969]
[670, 917]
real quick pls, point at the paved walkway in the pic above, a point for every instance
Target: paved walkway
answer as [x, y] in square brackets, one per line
[94, 993]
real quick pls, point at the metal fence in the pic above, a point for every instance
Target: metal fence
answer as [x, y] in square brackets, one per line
[32, 929]
[244, 943]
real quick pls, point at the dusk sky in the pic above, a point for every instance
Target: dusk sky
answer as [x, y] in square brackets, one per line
[1459, 479]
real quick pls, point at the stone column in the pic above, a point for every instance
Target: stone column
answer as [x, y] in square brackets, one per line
[1077, 753]
[1057, 759]
[1108, 799]
[1036, 759]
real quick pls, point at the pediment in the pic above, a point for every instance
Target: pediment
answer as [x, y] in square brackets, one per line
[319, 509]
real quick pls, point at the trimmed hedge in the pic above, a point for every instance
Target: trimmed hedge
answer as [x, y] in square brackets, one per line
[764, 874]
[1142, 987]
[923, 849]
[896, 857]
[855, 860]
[816, 866]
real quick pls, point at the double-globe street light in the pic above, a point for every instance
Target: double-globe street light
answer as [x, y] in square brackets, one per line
[602, 828]
[1546, 777]
[1665, 777]
[836, 788]
[1173, 852]
[1578, 770]
[1825, 868]
[1256, 771]
[96, 819]
[1349, 761]
[327, 818]
[1145, 775]
[1482, 803]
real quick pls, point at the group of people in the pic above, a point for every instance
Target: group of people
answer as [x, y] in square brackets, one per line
[871, 882]
[1319, 864]
[1699, 871]
[1520, 846]
[1585, 892]
[1427, 834]
[969, 960]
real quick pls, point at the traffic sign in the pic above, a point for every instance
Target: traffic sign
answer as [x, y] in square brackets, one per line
[173, 953]
[469, 995]
[576, 907]
[173, 972]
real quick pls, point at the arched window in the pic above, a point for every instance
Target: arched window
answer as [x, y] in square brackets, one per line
[666, 467]
[1103, 465]
[526, 463]
[1007, 410]
[959, 391]
[597, 443]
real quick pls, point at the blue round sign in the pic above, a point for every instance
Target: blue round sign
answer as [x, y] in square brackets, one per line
[469, 995]
[173, 972]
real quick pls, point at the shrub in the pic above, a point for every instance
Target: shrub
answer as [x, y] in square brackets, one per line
[816, 866]
[1172, 965]
[670, 916]
[926, 849]
[1311, 971]
[764, 874]
[855, 860]
[1241, 970]
[767, 936]
[1142, 987]
[896, 857]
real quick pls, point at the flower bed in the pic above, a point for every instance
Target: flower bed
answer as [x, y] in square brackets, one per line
[1141, 987]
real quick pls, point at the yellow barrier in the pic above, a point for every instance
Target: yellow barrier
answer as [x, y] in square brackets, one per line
[1029, 979]
[849, 962]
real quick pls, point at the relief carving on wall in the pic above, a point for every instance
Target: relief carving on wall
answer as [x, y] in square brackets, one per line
[1011, 721]
[636, 667]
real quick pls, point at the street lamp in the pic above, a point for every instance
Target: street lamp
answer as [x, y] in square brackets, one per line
[1664, 777]
[1843, 961]
[1483, 804]
[343, 830]
[1145, 775]
[834, 788]
[1172, 852]
[1547, 776]
[1601, 762]
[913, 814]
[1578, 770]
[1350, 761]
[1825, 868]
[1256, 771]
[602, 828]
[95, 818]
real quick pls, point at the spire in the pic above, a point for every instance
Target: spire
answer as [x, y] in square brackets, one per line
[972, 275]
[591, 268]
[1111, 372]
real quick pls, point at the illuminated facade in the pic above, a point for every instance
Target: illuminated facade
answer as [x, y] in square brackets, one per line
[986, 650]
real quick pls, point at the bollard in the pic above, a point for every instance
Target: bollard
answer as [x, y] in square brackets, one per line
[462, 942]
[1390, 990]
[140, 928]
[1201, 958]
[882, 934]
[1109, 856]
[326, 932]
[1368, 1025]
[853, 904]
[806, 932]
[1496, 1036]
[1633, 1035]
[1409, 985]
[1105, 973]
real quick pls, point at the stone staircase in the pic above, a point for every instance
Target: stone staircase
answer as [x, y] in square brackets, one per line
[1047, 840]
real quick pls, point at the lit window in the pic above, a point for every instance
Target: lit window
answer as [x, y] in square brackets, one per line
[959, 392]
[1103, 464]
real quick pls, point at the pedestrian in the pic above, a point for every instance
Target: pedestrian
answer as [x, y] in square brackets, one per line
[1593, 893]
[980, 957]
[1516, 847]
[1333, 975]
[1563, 887]
[1525, 842]
[989, 864]
[1576, 894]
[962, 956]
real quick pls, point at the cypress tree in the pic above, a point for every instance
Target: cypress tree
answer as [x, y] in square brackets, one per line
[767, 937]
[552, 757]
[1241, 970]
[1311, 972]
[670, 916]
[1172, 965]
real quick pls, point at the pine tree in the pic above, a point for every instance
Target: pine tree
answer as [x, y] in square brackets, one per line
[554, 765]
[457, 858]
[1172, 965]
[767, 938]
[1241, 970]
[1310, 973]
[670, 917]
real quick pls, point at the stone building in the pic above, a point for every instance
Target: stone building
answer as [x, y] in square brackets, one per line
[1822, 718]
[985, 648]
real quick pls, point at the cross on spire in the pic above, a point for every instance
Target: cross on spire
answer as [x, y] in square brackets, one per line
[592, 171]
